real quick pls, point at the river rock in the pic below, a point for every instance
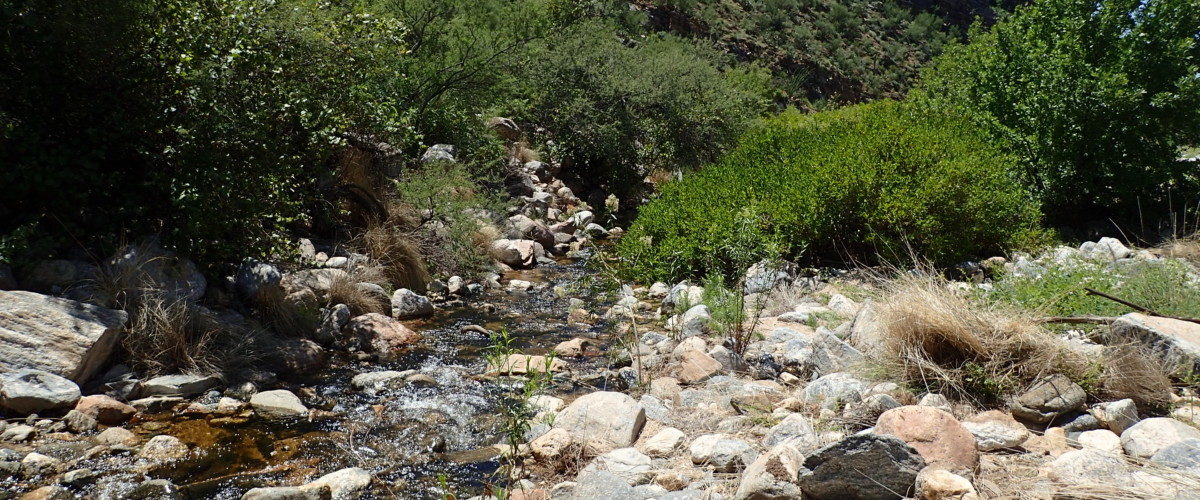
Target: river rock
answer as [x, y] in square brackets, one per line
[254, 277]
[695, 321]
[278, 404]
[17, 433]
[79, 422]
[517, 254]
[521, 227]
[548, 448]
[603, 484]
[626, 463]
[574, 348]
[1175, 340]
[345, 484]
[105, 409]
[603, 420]
[773, 475]
[721, 452]
[38, 465]
[150, 266]
[524, 364]
[863, 466]
[1086, 467]
[1100, 440]
[1116, 415]
[377, 381]
[867, 411]
[288, 493]
[996, 430]
[1048, 398]
[1182, 455]
[696, 366]
[295, 356]
[317, 280]
[379, 333]
[407, 304]
[33, 391]
[795, 429]
[1151, 435]
[834, 389]
[64, 337]
[155, 489]
[664, 443]
[683, 295]
[178, 385]
[117, 436]
[935, 483]
[934, 433]
[164, 448]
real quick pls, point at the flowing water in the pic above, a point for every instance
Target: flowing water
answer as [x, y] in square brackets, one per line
[412, 438]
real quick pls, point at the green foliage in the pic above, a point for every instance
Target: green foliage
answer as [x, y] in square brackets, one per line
[864, 182]
[614, 107]
[447, 210]
[838, 51]
[207, 121]
[1166, 287]
[1095, 97]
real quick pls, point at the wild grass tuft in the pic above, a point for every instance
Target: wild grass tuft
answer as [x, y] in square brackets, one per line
[935, 338]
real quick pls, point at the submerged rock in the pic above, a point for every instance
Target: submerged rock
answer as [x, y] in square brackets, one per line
[179, 385]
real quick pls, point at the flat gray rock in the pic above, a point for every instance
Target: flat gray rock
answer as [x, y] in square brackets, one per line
[35, 391]
[67, 338]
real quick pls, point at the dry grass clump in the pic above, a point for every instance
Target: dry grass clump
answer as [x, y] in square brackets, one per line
[397, 254]
[523, 153]
[1135, 373]
[934, 337]
[346, 290]
[176, 336]
[285, 316]
[1187, 248]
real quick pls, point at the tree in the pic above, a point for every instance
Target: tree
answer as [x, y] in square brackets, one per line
[1096, 97]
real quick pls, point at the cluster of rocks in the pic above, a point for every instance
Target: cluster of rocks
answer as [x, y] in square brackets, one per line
[794, 416]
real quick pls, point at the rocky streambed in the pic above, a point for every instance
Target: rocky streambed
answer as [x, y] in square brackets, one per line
[416, 425]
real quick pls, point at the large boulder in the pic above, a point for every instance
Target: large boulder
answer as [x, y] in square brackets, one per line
[379, 333]
[696, 366]
[64, 337]
[33, 391]
[603, 421]
[934, 433]
[1049, 398]
[863, 466]
[317, 280]
[772, 476]
[408, 304]
[1174, 340]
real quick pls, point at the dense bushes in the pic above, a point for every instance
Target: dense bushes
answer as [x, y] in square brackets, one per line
[208, 121]
[615, 106]
[867, 181]
[819, 51]
[1095, 97]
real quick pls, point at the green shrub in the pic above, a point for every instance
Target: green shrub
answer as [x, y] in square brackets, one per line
[617, 107]
[210, 122]
[1096, 97]
[1167, 287]
[868, 182]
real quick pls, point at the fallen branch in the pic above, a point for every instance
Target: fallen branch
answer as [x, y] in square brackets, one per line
[1091, 320]
[1138, 308]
